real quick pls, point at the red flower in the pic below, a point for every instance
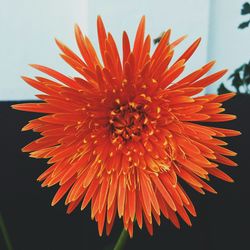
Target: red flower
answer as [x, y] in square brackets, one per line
[122, 135]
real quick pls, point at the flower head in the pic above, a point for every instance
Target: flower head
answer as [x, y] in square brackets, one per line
[122, 134]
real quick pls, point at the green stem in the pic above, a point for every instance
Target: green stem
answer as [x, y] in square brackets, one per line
[120, 244]
[5, 233]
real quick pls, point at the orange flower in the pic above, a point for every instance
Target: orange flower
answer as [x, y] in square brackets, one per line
[122, 134]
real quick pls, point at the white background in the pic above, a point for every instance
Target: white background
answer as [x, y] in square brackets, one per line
[28, 28]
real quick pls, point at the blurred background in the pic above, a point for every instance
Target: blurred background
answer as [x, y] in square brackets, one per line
[27, 30]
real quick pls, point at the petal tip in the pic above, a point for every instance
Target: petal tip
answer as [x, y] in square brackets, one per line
[35, 66]
[14, 106]
[53, 203]
[77, 28]
[99, 18]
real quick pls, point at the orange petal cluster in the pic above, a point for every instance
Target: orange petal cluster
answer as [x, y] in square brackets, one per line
[122, 133]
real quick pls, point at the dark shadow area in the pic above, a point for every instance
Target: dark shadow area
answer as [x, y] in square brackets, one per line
[222, 222]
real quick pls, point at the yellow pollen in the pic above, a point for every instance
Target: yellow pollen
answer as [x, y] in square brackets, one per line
[164, 167]
[132, 104]
[151, 132]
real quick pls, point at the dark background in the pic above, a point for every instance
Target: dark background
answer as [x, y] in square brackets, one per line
[222, 221]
